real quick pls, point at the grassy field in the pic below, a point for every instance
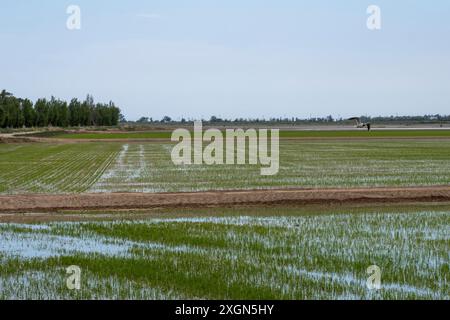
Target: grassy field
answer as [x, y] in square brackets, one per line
[252, 253]
[280, 252]
[147, 167]
[283, 134]
[105, 135]
[53, 168]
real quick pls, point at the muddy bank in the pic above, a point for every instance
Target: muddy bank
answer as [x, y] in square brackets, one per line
[96, 201]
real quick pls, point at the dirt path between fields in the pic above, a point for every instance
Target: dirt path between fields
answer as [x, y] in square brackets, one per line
[103, 201]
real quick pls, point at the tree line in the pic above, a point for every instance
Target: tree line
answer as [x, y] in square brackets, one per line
[432, 118]
[18, 112]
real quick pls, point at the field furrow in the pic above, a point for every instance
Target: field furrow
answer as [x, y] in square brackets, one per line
[54, 168]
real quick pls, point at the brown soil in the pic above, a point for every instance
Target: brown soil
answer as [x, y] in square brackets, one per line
[101, 201]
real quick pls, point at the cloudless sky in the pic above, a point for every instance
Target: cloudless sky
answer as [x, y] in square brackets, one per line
[232, 58]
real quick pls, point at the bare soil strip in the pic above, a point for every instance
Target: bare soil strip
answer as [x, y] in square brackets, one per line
[100, 201]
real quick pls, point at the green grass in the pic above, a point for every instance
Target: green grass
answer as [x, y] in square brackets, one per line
[147, 167]
[283, 134]
[53, 168]
[268, 253]
[361, 133]
[112, 135]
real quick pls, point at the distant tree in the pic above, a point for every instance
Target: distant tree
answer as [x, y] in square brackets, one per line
[52, 111]
[115, 114]
[12, 112]
[41, 109]
[88, 110]
[16, 112]
[2, 116]
[74, 113]
[4, 94]
[58, 114]
[63, 114]
[29, 114]
[143, 120]
[215, 119]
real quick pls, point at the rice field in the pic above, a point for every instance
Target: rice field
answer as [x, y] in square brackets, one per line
[147, 167]
[250, 253]
[283, 133]
[53, 168]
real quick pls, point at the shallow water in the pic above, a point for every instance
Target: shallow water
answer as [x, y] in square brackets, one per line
[279, 250]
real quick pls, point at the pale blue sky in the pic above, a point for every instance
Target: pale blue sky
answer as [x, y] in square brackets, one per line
[230, 58]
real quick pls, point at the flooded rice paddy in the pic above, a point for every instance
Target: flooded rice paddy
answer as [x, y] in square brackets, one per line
[275, 256]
